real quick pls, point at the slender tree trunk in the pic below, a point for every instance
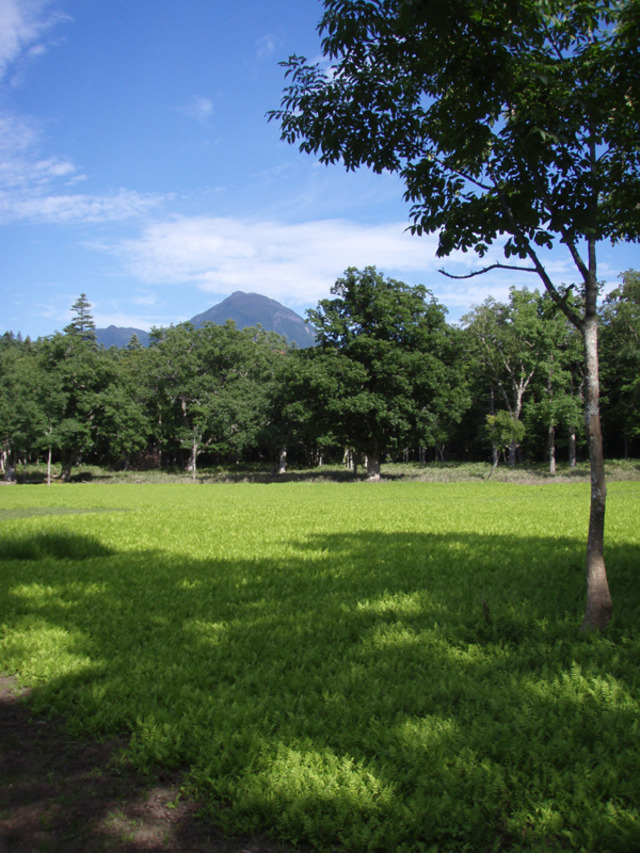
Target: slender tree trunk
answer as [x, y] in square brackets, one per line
[551, 432]
[282, 462]
[572, 449]
[599, 604]
[193, 460]
[494, 447]
[49, 465]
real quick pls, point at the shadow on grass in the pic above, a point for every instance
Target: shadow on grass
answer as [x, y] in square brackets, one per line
[76, 794]
[371, 691]
[59, 545]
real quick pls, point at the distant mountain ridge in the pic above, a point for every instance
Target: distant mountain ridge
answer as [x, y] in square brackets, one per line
[120, 336]
[245, 309]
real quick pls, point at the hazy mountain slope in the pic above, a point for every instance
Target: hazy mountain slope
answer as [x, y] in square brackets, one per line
[117, 336]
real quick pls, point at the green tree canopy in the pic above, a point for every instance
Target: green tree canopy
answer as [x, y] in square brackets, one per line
[503, 117]
[390, 373]
[621, 355]
[212, 385]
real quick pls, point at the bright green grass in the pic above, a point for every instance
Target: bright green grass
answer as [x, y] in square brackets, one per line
[317, 660]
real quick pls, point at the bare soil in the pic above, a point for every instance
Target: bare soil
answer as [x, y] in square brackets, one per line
[59, 793]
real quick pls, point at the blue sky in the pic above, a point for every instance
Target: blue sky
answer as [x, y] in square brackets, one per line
[137, 166]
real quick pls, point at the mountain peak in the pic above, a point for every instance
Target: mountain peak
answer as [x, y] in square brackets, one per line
[252, 309]
[245, 309]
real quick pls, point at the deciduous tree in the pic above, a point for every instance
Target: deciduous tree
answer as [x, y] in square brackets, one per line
[621, 351]
[391, 362]
[508, 340]
[509, 121]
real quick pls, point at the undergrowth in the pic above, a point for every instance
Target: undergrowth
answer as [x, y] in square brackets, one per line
[357, 667]
[260, 472]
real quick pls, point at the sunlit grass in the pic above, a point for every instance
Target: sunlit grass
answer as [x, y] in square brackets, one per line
[318, 661]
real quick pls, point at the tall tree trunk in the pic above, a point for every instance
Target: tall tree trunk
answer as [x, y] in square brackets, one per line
[49, 465]
[552, 450]
[572, 449]
[599, 604]
[551, 431]
[193, 459]
[494, 447]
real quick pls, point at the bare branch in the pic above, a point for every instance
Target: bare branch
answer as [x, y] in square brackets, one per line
[496, 266]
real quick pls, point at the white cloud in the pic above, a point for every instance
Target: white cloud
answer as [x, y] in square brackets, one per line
[37, 189]
[21, 166]
[294, 263]
[63, 209]
[146, 298]
[298, 263]
[199, 109]
[22, 25]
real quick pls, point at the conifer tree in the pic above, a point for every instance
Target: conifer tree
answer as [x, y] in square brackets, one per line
[82, 323]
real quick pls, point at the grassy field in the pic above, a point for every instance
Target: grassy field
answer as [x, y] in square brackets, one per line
[317, 658]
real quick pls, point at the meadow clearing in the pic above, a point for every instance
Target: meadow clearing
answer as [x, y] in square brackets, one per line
[351, 666]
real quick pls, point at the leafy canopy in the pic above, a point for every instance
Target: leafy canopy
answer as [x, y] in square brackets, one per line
[503, 117]
[386, 369]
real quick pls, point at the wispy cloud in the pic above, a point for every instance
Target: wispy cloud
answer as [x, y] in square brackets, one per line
[146, 298]
[23, 23]
[38, 189]
[294, 263]
[76, 207]
[298, 263]
[265, 46]
[21, 167]
[199, 109]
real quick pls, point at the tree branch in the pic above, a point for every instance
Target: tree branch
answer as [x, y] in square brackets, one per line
[496, 266]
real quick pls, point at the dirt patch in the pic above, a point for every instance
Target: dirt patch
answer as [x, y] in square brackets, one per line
[59, 793]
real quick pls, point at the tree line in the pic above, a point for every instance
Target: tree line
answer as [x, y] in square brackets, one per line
[388, 379]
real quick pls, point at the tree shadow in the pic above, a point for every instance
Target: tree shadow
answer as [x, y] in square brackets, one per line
[307, 475]
[76, 794]
[367, 690]
[58, 545]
